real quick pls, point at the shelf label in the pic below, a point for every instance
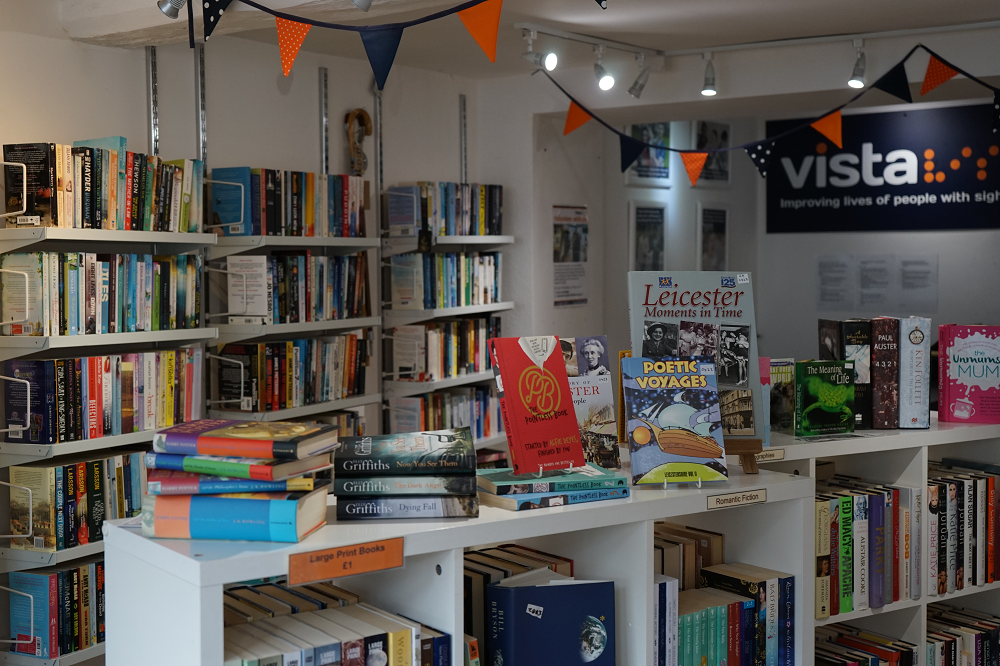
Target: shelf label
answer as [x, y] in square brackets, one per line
[770, 455]
[737, 499]
[320, 565]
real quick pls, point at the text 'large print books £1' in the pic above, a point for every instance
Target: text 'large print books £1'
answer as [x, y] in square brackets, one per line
[673, 420]
[251, 439]
[434, 453]
[536, 404]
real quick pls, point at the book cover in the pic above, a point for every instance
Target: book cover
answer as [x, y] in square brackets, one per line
[830, 343]
[885, 373]
[528, 501]
[43, 588]
[252, 439]
[39, 505]
[436, 452]
[969, 374]
[240, 468]
[914, 372]
[933, 516]
[23, 302]
[231, 203]
[673, 420]
[856, 338]
[41, 385]
[404, 485]
[502, 481]
[782, 396]
[824, 397]
[395, 508]
[822, 549]
[587, 361]
[40, 208]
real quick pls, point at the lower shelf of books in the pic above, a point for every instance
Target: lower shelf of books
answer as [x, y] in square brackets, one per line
[23, 560]
[64, 660]
[296, 412]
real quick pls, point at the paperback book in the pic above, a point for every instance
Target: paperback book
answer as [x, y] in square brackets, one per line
[502, 481]
[528, 501]
[824, 397]
[252, 439]
[969, 374]
[433, 453]
[385, 508]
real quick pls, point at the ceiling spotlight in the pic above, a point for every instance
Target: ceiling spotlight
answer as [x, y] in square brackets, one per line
[604, 80]
[548, 61]
[171, 8]
[857, 79]
[708, 89]
[640, 81]
[363, 5]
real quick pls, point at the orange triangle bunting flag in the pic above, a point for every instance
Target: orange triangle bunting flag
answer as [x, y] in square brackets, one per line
[575, 118]
[291, 34]
[483, 22]
[829, 126]
[694, 163]
[937, 73]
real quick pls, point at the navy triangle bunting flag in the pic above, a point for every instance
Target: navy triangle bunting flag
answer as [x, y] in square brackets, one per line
[212, 12]
[895, 83]
[760, 154]
[996, 113]
[380, 45]
[631, 149]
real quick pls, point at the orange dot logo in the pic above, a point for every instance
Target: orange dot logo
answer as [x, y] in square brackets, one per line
[966, 152]
[928, 154]
[928, 166]
[928, 177]
[821, 148]
[994, 150]
[539, 390]
[939, 176]
[981, 163]
[955, 164]
[981, 174]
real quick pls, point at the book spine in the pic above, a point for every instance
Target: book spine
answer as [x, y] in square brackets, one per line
[885, 373]
[916, 542]
[95, 499]
[932, 531]
[834, 556]
[991, 534]
[501, 638]
[914, 372]
[877, 550]
[969, 548]
[861, 552]
[822, 549]
[846, 554]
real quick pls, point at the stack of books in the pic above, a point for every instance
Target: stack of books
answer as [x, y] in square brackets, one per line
[408, 475]
[843, 645]
[256, 466]
[500, 487]
[956, 635]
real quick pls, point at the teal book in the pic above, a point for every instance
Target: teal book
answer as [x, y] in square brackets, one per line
[528, 501]
[502, 481]
[230, 202]
[405, 485]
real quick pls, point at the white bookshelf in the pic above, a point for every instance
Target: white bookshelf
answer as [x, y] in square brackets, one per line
[398, 389]
[392, 246]
[23, 345]
[14, 453]
[230, 245]
[229, 333]
[57, 239]
[22, 560]
[393, 318]
[79, 657]
[492, 440]
[297, 412]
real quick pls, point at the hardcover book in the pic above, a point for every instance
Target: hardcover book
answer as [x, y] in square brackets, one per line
[914, 372]
[856, 338]
[528, 501]
[432, 453]
[885, 373]
[587, 361]
[782, 396]
[713, 314]
[536, 404]
[386, 508]
[824, 397]
[241, 468]
[464, 485]
[673, 420]
[502, 481]
[282, 440]
[969, 374]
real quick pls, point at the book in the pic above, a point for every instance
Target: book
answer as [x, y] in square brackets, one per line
[252, 303]
[969, 374]
[536, 404]
[23, 297]
[404, 485]
[171, 482]
[528, 501]
[822, 549]
[824, 397]
[231, 201]
[502, 481]
[673, 420]
[281, 440]
[418, 507]
[856, 340]
[283, 517]
[433, 453]
[914, 372]
[593, 398]
[885, 373]
[782, 396]
[241, 468]
[40, 209]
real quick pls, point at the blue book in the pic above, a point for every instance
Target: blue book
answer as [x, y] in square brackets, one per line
[545, 624]
[44, 589]
[60, 509]
[877, 549]
[119, 144]
[527, 501]
[116, 395]
[301, 346]
[133, 276]
[41, 377]
[105, 286]
[229, 206]
[72, 292]
[450, 211]
[442, 649]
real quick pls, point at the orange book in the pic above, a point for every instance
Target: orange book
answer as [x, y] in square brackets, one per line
[310, 205]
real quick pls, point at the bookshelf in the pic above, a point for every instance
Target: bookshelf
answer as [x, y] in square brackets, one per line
[297, 412]
[230, 245]
[393, 318]
[393, 389]
[83, 656]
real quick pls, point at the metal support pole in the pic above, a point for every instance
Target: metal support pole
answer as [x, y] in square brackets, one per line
[201, 151]
[463, 145]
[324, 124]
[152, 109]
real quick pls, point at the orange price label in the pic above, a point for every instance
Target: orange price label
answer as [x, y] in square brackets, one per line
[319, 565]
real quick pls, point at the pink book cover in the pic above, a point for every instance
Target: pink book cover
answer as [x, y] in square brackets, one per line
[969, 374]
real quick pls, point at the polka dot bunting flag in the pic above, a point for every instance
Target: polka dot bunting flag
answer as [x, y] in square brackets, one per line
[937, 73]
[291, 34]
[760, 155]
[212, 11]
[996, 113]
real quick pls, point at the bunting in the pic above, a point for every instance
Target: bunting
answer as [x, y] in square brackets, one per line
[694, 163]
[603, 3]
[483, 23]
[576, 117]
[381, 45]
[290, 38]
[830, 126]
[937, 73]
[996, 112]
[212, 11]
[760, 155]
[630, 149]
[895, 83]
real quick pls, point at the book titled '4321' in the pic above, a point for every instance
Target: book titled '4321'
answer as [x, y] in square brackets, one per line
[436, 452]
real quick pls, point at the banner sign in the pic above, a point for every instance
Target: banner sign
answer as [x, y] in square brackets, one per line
[905, 170]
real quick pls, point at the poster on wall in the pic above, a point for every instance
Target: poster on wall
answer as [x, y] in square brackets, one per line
[877, 283]
[926, 167]
[712, 246]
[652, 168]
[569, 255]
[647, 234]
[711, 136]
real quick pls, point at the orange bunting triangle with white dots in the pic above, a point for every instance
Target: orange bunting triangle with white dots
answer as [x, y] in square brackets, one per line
[291, 34]
[576, 117]
[830, 127]
[694, 163]
[937, 73]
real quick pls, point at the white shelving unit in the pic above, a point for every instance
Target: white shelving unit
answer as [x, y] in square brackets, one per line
[391, 246]
[80, 657]
[393, 389]
[238, 332]
[230, 245]
[393, 318]
[297, 412]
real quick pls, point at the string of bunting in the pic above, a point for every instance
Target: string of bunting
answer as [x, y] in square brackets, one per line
[829, 124]
[480, 17]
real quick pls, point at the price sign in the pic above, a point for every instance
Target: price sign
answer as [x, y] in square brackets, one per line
[332, 563]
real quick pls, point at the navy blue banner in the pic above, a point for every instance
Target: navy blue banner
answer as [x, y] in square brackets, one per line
[898, 171]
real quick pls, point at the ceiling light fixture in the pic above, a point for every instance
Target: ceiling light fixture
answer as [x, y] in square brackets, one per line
[640, 81]
[604, 80]
[363, 5]
[708, 88]
[857, 79]
[170, 8]
[603, 3]
[548, 61]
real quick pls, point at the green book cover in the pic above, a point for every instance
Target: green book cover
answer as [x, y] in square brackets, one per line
[148, 206]
[186, 169]
[846, 561]
[722, 634]
[710, 633]
[502, 481]
[156, 296]
[687, 632]
[824, 398]
[448, 452]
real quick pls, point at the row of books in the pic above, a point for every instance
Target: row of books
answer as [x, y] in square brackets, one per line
[291, 373]
[681, 552]
[58, 293]
[708, 626]
[287, 203]
[428, 352]
[406, 475]
[445, 209]
[425, 281]
[844, 645]
[317, 624]
[504, 489]
[68, 605]
[476, 407]
[964, 523]
[891, 362]
[957, 636]
[293, 287]
[868, 545]
[70, 500]
[99, 184]
[73, 399]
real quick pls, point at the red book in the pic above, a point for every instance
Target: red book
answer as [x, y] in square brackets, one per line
[129, 165]
[82, 510]
[733, 616]
[536, 404]
[95, 393]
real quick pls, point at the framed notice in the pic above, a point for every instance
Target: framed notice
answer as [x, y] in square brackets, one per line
[652, 167]
[647, 235]
[570, 238]
[712, 137]
[713, 244]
